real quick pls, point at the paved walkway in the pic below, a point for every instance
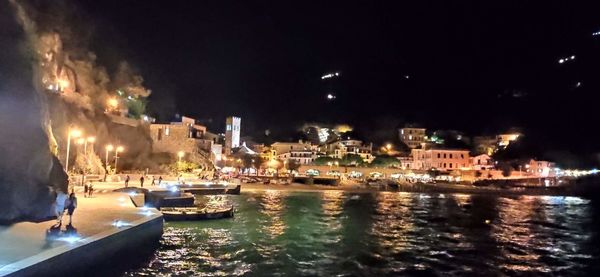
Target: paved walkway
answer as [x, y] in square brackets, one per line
[93, 216]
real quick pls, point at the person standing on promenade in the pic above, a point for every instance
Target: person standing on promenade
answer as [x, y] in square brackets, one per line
[59, 208]
[159, 180]
[90, 190]
[70, 205]
[142, 181]
[153, 183]
[127, 181]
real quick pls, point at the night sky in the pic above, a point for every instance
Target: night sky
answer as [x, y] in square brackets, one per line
[475, 66]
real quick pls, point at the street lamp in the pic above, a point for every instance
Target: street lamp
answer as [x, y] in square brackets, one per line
[180, 154]
[119, 149]
[109, 148]
[72, 133]
[91, 140]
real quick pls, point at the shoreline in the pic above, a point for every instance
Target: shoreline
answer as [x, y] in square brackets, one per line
[413, 188]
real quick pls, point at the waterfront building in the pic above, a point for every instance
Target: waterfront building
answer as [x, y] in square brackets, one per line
[440, 159]
[232, 133]
[340, 149]
[540, 168]
[413, 137]
[185, 136]
[300, 156]
[301, 152]
[482, 162]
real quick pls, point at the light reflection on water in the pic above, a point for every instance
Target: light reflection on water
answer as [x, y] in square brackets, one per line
[277, 233]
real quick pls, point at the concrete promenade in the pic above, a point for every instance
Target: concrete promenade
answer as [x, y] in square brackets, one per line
[102, 226]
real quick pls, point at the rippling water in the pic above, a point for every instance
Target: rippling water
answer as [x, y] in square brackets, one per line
[334, 233]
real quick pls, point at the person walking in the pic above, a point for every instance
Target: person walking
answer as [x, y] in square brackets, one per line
[142, 181]
[59, 208]
[127, 181]
[70, 205]
[153, 183]
[90, 190]
[85, 190]
[159, 180]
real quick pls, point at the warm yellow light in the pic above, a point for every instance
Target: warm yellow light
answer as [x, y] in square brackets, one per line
[120, 149]
[63, 83]
[80, 141]
[388, 146]
[180, 154]
[113, 102]
[91, 139]
[110, 147]
[75, 133]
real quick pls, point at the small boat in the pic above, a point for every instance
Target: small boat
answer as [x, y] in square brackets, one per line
[190, 214]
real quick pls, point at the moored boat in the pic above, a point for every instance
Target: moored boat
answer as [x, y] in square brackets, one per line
[195, 213]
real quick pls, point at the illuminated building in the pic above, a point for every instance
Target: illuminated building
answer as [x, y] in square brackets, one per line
[340, 149]
[540, 168]
[413, 137]
[186, 136]
[232, 133]
[300, 151]
[482, 162]
[440, 159]
[505, 139]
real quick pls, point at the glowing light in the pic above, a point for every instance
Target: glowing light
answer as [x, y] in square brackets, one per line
[110, 147]
[180, 154]
[173, 189]
[80, 141]
[330, 75]
[63, 84]
[113, 103]
[330, 96]
[120, 149]
[91, 139]
[75, 133]
[69, 239]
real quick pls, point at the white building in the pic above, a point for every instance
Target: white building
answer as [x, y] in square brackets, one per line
[482, 162]
[232, 133]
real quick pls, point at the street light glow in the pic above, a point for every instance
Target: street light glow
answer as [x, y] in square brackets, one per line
[180, 154]
[91, 139]
[110, 147]
[120, 149]
[75, 133]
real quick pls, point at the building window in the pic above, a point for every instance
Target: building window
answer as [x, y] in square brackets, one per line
[439, 155]
[444, 165]
[450, 164]
[462, 156]
[228, 128]
[450, 158]
[444, 155]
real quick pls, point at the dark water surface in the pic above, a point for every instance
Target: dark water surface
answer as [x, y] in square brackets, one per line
[334, 233]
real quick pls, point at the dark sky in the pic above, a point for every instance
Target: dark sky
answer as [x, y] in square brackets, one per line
[263, 62]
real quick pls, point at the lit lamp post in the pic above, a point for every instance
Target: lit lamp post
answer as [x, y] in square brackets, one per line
[73, 133]
[180, 155]
[109, 148]
[91, 140]
[119, 149]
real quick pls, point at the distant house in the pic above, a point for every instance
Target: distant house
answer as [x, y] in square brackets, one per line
[482, 162]
[540, 168]
[413, 137]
